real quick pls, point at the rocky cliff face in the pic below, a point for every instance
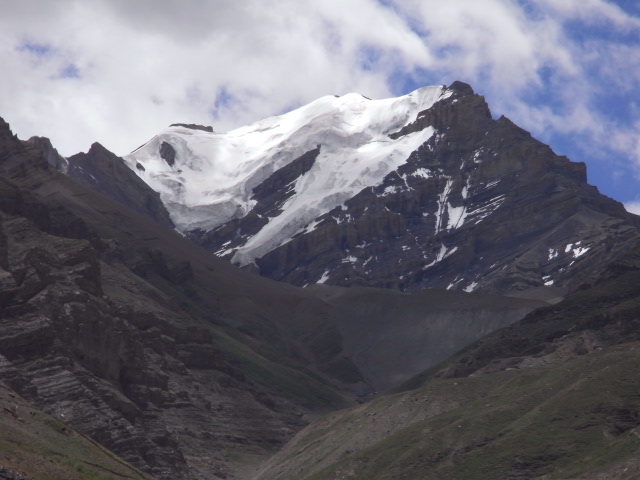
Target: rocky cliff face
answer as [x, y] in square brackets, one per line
[87, 337]
[104, 172]
[476, 205]
[179, 362]
[482, 206]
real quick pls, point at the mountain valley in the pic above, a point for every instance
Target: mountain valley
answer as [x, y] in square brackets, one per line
[358, 288]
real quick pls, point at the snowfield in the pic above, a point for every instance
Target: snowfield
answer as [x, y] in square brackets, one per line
[213, 176]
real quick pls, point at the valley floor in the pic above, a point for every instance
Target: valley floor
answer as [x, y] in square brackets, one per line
[557, 419]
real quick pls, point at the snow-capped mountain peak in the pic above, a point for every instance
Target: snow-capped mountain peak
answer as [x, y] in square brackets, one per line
[212, 175]
[207, 178]
[420, 191]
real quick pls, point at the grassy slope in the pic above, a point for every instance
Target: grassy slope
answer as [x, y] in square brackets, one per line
[573, 419]
[35, 444]
[555, 395]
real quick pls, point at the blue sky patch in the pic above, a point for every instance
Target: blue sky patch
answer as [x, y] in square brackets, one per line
[37, 49]
[70, 71]
[222, 102]
[369, 58]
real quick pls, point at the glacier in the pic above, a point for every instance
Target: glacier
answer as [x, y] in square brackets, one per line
[212, 177]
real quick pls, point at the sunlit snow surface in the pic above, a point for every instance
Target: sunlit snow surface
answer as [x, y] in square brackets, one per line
[214, 174]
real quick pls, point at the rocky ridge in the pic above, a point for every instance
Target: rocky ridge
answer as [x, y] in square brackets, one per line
[482, 206]
[104, 172]
[479, 205]
[87, 337]
[177, 361]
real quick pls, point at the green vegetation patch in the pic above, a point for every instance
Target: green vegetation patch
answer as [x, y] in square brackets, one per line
[293, 383]
[563, 421]
[35, 444]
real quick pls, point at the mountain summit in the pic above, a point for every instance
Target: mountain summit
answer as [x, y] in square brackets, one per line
[332, 149]
[187, 367]
[420, 191]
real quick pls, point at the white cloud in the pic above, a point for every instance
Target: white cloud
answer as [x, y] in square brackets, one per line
[593, 12]
[633, 207]
[117, 71]
[145, 64]
[492, 40]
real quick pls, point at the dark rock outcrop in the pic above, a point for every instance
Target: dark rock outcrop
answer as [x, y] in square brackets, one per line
[193, 126]
[54, 159]
[6, 474]
[104, 172]
[168, 153]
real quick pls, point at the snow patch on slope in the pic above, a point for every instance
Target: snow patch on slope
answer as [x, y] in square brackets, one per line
[456, 216]
[442, 204]
[337, 175]
[213, 174]
[324, 277]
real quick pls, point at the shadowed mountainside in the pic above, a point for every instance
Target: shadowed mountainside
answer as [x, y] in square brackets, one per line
[554, 395]
[180, 363]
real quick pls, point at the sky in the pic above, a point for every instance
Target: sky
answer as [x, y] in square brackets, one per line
[120, 71]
